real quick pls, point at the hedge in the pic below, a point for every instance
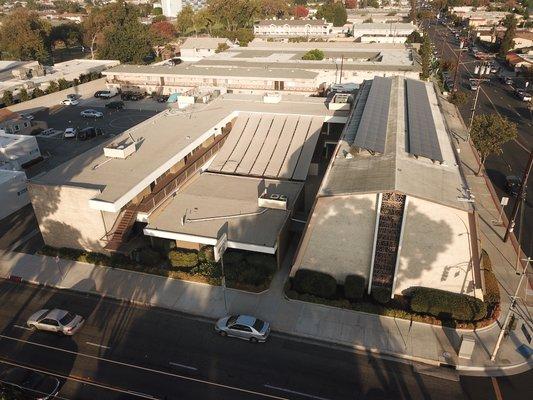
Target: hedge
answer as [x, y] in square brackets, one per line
[492, 288]
[148, 256]
[315, 283]
[183, 259]
[354, 287]
[447, 305]
[381, 294]
[206, 254]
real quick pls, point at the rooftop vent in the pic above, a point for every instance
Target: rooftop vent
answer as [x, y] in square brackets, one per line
[120, 150]
[275, 201]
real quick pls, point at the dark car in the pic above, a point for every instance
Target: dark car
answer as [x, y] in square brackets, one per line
[115, 105]
[512, 185]
[161, 99]
[132, 96]
[22, 383]
[89, 133]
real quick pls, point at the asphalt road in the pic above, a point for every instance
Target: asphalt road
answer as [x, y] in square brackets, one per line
[495, 96]
[132, 352]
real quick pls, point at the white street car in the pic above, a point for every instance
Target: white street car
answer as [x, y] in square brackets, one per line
[243, 327]
[91, 114]
[56, 320]
[70, 133]
[70, 102]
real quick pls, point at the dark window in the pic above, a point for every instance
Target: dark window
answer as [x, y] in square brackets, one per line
[49, 321]
[67, 318]
[258, 325]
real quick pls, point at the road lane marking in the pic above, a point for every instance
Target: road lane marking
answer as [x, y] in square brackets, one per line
[496, 387]
[98, 345]
[22, 327]
[139, 367]
[311, 396]
[78, 379]
[175, 364]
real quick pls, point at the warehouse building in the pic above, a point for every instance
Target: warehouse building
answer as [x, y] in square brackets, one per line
[393, 207]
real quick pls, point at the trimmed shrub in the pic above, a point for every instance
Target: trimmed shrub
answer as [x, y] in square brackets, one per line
[209, 270]
[354, 287]
[315, 283]
[492, 288]
[447, 305]
[97, 259]
[183, 259]
[381, 294]
[148, 256]
[265, 261]
[233, 257]
[206, 253]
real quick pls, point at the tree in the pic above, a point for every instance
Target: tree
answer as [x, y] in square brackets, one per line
[23, 95]
[333, 12]
[458, 98]
[69, 34]
[507, 42]
[163, 32]
[63, 84]
[426, 56]
[157, 11]
[272, 8]
[233, 15]
[37, 92]
[301, 11]
[52, 87]
[185, 20]
[414, 37]
[373, 3]
[489, 132]
[314, 54]
[221, 47]
[7, 98]
[24, 36]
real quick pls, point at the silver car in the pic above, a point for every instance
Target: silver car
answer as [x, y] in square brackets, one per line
[243, 327]
[91, 114]
[56, 320]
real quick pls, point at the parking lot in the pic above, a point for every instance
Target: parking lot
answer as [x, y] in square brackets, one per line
[56, 149]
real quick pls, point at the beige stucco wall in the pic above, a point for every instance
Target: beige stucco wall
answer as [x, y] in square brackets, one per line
[436, 249]
[340, 236]
[64, 216]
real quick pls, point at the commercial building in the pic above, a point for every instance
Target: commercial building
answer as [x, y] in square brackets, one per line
[293, 28]
[393, 206]
[239, 163]
[194, 49]
[396, 32]
[18, 150]
[13, 191]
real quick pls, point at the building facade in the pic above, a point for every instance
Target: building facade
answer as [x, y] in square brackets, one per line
[293, 28]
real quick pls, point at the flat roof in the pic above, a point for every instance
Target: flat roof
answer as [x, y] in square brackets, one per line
[7, 175]
[212, 200]
[166, 139]
[293, 22]
[7, 140]
[269, 145]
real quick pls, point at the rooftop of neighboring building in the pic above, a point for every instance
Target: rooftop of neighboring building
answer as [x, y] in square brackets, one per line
[7, 140]
[7, 115]
[293, 22]
[395, 26]
[203, 42]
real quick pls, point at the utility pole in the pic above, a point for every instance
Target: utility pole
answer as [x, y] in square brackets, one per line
[456, 74]
[342, 65]
[510, 311]
[478, 83]
[521, 196]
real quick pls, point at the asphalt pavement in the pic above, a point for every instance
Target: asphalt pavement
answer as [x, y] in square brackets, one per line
[127, 351]
[495, 96]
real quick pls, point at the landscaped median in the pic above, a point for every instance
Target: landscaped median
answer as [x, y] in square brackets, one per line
[421, 304]
[244, 271]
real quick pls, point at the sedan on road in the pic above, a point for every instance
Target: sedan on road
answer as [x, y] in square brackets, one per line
[56, 320]
[243, 327]
[91, 114]
[22, 383]
[70, 102]
[70, 133]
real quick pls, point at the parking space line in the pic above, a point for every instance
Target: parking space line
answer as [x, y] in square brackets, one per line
[98, 345]
[175, 364]
[311, 396]
[22, 327]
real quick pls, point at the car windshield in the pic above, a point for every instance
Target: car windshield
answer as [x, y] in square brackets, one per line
[67, 318]
[258, 325]
[232, 320]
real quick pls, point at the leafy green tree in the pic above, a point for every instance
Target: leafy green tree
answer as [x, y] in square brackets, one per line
[314, 54]
[426, 56]
[37, 92]
[221, 48]
[233, 15]
[373, 3]
[333, 12]
[157, 11]
[24, 36]
[414, 37]
[272, 8]
[52, 87]
[63, 84]
[23, 95]
[7, 98]
[185, 20]
[489, 132]
[507, 42]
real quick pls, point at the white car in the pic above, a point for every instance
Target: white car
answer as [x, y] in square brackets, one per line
[91, 114]
[56, 320]
[70, 102]
[243, 327]
[70, 133]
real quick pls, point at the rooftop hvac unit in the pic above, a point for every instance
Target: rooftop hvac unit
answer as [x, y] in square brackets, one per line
[275, 201]
[272, 98]
[120, 150]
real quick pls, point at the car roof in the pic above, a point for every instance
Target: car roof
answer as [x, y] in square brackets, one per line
[245, 320]
[56, 314]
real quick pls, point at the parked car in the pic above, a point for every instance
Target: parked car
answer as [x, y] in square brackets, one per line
[161, 99]
[115, 105]
[73, 96]
[507, 80]
[22, 383]
[98, 93]
[70, 102]
[512, 184]
[70, 133]
[91, 114]
[56, 320]
[243, 327]
[133, 96]
[106, 94]
[47, 132]
[474, 84]
[89, 133]
[173, 61]
[26, 116]
[523, 95]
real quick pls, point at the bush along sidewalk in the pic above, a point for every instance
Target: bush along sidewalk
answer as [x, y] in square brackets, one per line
[244, 270]
[421, 304]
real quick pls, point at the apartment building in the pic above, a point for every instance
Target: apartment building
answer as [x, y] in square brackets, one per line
[293, 28]
[194, 49]
[383, 32]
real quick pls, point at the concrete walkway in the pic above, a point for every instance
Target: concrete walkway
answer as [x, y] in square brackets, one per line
[368, 332]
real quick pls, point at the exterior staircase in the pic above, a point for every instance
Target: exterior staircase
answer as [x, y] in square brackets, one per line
[388, 237]
[123, 228]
